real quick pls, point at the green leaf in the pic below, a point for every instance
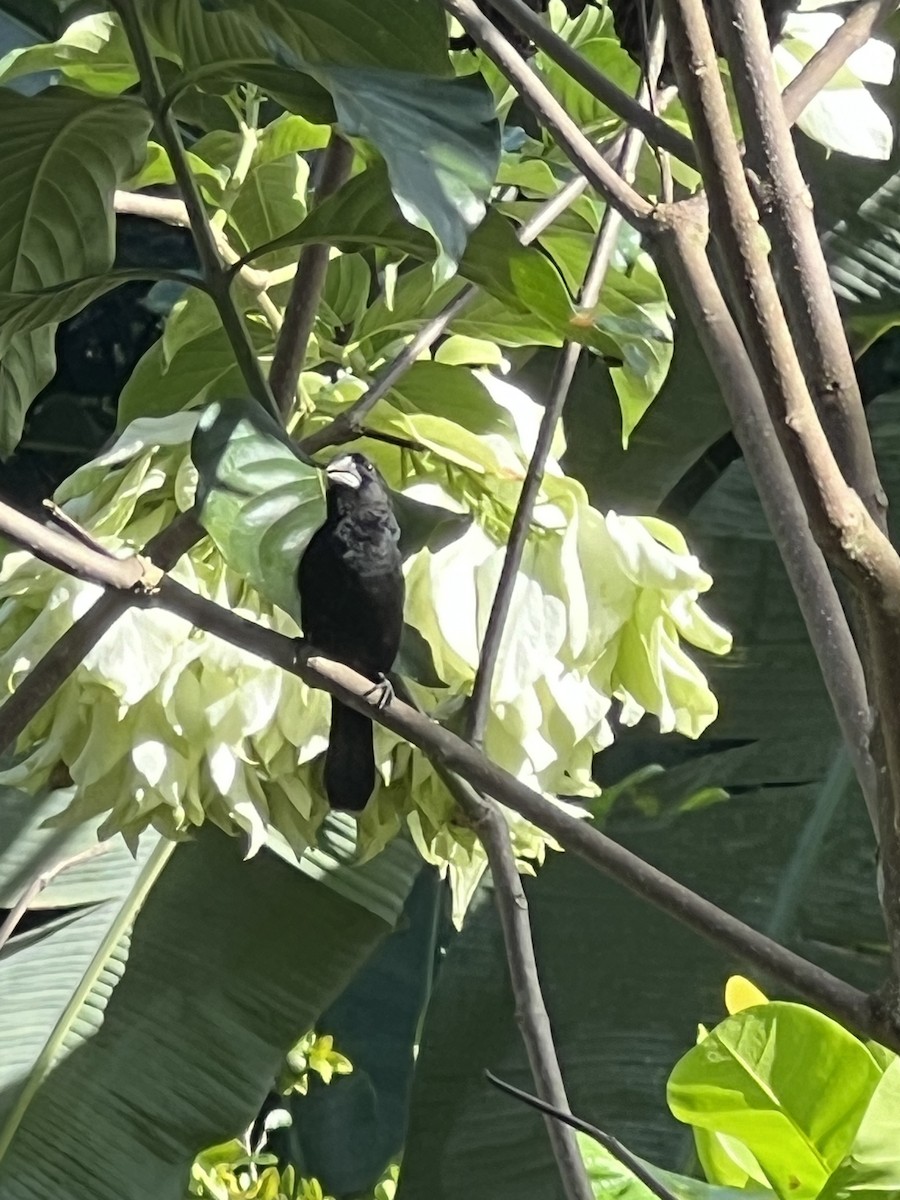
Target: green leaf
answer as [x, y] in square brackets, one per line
[92, 53]
[610, 1177]
[229, 962]
[65, 153]
[364, 213]
[217, 50]
[406, 37]
[440, 140]
[260, 503]
[25, 312]
[27, 848]
[788, 1082]
[871, 1170]
[203, 368]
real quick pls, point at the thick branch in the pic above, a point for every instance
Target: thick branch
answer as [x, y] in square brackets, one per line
[634, 208]
[531, 1012]
[453, 754]
[306, 290]
[803, 281]
[684, 248]
[843, 526]
[217, 279]
[51, 671]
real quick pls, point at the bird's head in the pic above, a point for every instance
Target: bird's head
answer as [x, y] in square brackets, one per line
[352, 471]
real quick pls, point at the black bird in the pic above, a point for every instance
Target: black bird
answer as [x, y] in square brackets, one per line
[351, 605]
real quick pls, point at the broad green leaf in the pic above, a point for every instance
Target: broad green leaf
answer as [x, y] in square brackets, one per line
[788, 1082]
[611, 1178]
[217, 50]
[217, 986]
[29, 847]
[65, 154]
[55, 982]
[25, 312]
[871, 1170]
[345, 1135]
[260, 503]
[364, 213]
[204, 368]
[405, 37]
[92, 53]
[440, 140]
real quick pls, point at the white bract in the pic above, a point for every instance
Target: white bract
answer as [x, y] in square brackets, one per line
[844, 115]
[164, 725]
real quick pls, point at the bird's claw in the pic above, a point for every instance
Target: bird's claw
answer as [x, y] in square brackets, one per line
[383, 691]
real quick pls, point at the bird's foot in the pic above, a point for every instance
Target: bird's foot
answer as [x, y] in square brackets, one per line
[382, 691]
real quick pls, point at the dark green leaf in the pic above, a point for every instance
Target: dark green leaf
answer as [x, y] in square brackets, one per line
[260, 503]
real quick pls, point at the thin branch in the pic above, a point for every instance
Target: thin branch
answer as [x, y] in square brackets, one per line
[564, 373]
[216, 277]
[859, 25]
[684, 250]
[606, 1140]
[348, 424]
[847, 1003]
[36, 885]
[590, 162]
[803, 280]
[637, 115]
[61, 518]
[306, 290]
[531, 1013]
[51, 671]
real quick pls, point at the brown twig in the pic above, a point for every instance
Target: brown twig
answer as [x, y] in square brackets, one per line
[590, 162]
[609, 1143]
[306, 290]
[637, 115]
[564, 373]
[530, 1010]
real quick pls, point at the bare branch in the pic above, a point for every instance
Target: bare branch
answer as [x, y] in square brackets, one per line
[606, 1140]
[685, 251]
[634, 208]
[218, 280]
[531, 1012]
[842, 524]
[637, 115]
[306, 290]
[564, 373]
[803, 281]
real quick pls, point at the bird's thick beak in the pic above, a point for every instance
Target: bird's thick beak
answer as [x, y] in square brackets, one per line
[344, 472]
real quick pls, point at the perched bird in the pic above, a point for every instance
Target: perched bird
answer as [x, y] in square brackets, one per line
[351, 605]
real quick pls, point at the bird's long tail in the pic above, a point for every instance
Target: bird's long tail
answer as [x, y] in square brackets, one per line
[349, 759]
